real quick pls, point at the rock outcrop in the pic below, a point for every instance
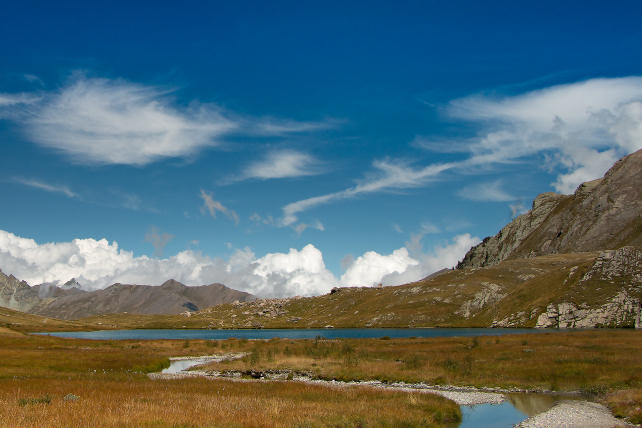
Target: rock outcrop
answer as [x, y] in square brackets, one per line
[16, 294]
[601, 214]
[624, 309]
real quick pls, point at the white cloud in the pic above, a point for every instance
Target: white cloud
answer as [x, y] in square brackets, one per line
[297, 272]
[99, 263]
[118, 122]
[406, 265]
[370, 268]
[48, 187]
[272, 126]
[583, 127]
[213, 206]
[300, 227]
[7, 100]
[281, 164]
[113, 121]
[488, 191]
[389, 175]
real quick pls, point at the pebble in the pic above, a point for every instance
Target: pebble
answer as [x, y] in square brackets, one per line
[570, 414]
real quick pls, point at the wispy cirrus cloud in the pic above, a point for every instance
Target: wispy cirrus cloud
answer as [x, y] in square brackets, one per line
[212, 207]
[117, 122]
[487, 191]
[581, 128]
[47, 187]
[16, 99]
[279, 164]
[114, 121]
[388, 175]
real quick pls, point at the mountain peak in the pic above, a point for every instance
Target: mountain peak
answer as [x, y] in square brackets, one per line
[172, 283]
[602, 214]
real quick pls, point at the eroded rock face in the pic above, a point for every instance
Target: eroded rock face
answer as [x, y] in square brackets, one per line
[622, 311]
[499, 247]
[15, 294]
[601, 214]
[489, 293]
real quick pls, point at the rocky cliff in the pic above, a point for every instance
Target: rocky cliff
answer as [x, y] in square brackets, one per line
[601, 214]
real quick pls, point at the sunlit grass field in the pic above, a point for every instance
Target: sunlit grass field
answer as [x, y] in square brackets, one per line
[109, 378]
[589, 361]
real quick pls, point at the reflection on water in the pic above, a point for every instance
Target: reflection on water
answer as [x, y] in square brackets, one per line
[491, 416]
[176, 366]
[516, 409]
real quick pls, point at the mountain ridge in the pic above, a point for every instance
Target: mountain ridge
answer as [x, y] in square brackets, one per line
[602, 214]
[70, 302]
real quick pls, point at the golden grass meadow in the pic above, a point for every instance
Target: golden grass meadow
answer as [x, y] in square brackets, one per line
[110, 387]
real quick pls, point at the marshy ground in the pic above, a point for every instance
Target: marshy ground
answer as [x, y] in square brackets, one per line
[109, 378]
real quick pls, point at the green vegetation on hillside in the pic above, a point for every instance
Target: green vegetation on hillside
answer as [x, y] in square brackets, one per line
[513, 293]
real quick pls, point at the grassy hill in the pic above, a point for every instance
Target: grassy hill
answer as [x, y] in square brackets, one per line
[513, 293]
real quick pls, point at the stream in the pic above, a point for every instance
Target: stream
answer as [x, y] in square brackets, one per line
[489, 409]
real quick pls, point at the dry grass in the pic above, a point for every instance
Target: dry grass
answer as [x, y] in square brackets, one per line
[592, 361]
[200, 402]
[626, 404]
[38, 372]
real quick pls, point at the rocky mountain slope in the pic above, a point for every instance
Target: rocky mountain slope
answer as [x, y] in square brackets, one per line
[594, 289]
[601, 214]
[70, 302]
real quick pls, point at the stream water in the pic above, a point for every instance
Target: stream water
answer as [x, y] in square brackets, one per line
[515, 409]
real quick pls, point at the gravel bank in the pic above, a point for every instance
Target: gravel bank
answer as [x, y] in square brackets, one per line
[582, 414]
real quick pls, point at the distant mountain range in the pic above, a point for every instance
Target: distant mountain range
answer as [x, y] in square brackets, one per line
[71, 302]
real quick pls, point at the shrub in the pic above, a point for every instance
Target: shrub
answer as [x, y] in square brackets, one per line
[46, 399]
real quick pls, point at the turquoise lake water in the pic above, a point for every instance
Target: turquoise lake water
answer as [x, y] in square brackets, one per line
[328, 333]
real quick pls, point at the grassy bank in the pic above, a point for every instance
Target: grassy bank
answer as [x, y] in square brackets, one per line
[110, 388]
[109, 377]
[590, 361]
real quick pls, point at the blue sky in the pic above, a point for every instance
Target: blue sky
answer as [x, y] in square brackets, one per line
[285, 148]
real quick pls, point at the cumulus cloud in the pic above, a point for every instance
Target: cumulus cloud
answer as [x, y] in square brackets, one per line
[99, 263]
[47, 187]
[404, 265]
[296, 272]
[281, 164]
[113, 121]
[370, 268]
[488, 191]
[212, 206]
